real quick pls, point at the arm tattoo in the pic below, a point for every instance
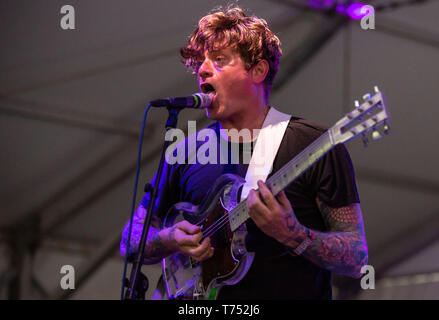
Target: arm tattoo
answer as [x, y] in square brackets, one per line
[343, 249]
[155, 249]
[296, 229]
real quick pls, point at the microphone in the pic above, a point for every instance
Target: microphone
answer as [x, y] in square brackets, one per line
[196, 101]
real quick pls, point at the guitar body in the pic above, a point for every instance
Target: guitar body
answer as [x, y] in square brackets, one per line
[185, 278]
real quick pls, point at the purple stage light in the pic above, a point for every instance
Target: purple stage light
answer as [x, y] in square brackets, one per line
[353, 10]
[356, 11]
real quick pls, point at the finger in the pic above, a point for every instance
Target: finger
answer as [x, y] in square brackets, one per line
[208, 254]
[188, 227]
[283, 200]
[184, 239]
[201, 249]
[257, 210]
[253, 202]
[266, 195]
[251, 198]
[204, 251]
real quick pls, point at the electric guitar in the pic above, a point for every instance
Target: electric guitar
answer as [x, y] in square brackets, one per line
[222, 216]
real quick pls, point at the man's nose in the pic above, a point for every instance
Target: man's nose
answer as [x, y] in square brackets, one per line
[205, 70]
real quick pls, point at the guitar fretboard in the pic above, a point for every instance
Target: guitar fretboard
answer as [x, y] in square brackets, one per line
[286, 175]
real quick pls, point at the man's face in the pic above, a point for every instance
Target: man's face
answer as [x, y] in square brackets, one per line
[223, 75]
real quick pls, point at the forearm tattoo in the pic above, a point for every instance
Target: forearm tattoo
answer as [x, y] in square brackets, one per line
[297, 231]
[155, 249]
[343, 249]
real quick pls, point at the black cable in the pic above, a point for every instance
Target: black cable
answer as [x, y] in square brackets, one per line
[133, 203]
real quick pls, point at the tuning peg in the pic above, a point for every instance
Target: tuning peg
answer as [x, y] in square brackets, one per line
[367, 96]
[386, 128]
[365, 140]
[357, 106]
[376, 135]
[376, 89]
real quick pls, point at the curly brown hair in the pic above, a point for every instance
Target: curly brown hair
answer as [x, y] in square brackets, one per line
[249, 35]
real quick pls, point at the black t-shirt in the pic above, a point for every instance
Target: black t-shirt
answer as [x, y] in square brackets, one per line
[274, 274]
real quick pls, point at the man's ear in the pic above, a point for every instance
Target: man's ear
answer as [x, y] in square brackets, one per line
[259, 71]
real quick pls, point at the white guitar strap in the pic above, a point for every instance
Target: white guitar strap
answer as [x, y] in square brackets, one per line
[267, 145]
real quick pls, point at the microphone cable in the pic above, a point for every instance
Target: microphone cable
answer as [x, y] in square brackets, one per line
[133, 203]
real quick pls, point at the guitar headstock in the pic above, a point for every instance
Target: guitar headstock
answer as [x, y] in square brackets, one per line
[369, 116]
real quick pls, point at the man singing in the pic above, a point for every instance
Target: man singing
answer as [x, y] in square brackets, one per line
[312, 228]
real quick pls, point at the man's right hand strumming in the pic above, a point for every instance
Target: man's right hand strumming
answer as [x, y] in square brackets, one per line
[186, 237]
[182, 236]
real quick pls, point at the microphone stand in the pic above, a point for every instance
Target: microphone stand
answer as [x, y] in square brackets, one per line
[138, 283]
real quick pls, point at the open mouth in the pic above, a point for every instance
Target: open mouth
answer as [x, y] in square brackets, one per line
[207, 88]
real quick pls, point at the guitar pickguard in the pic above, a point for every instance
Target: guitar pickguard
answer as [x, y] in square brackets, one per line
[188, 279]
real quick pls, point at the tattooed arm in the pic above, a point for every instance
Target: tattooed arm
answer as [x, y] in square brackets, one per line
[343, 249]
[161, 243]
[155, 249]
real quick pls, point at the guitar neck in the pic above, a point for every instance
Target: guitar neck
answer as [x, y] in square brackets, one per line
[286, 175]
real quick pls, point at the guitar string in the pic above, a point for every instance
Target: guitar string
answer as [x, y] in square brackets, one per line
[220, 222]
[302, 157]
[312, 148]
[218, 226]
[213, 226]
